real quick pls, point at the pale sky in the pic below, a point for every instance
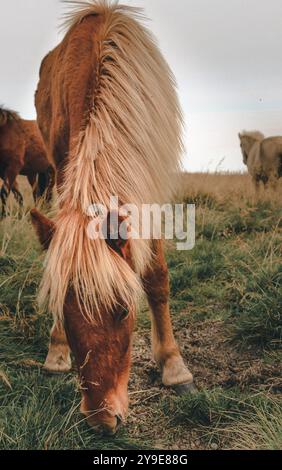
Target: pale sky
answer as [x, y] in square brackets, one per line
[226, 55]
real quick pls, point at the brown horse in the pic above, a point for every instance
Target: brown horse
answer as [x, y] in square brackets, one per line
[22, 152]
[110, 117]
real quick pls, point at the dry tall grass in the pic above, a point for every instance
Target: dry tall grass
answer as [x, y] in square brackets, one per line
[224, 187]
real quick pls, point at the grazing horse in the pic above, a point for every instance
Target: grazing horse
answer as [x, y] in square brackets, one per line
[263, 157]
[110, 117]
[22, 152]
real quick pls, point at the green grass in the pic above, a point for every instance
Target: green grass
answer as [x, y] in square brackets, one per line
[226, 301]
[259, 312]
[43, 413]
[247, 421]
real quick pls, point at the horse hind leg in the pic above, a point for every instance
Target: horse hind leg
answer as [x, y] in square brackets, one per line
[9, 183]
[4, 194]
[50, 184]
[33, 183]
[46, 183]
[58, 359]
[17, 194]
[42, 184]
[165, 349]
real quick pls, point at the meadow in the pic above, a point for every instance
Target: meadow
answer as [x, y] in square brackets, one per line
[226, 302]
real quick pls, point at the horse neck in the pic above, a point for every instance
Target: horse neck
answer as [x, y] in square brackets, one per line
[254, 154]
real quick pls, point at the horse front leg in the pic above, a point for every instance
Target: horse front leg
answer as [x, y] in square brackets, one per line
[166, 352]
[58, 359]
[272, 182]
[256, 183]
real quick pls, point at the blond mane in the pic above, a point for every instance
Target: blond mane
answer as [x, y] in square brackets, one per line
[255, 135]
[130, 148]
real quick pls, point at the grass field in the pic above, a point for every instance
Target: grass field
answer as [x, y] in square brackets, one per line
[226, 301]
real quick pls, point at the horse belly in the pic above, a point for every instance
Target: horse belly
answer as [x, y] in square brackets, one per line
[10, 158]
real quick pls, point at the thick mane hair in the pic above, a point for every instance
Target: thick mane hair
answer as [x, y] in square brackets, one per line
[130, 147]
[7, 115]
[255, 135]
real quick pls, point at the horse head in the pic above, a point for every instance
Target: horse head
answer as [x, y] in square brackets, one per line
[102, 349]
[247, 140]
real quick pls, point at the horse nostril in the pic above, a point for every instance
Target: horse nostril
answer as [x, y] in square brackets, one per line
[111, 431]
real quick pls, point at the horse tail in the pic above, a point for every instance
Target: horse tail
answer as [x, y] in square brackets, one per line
[130, 147]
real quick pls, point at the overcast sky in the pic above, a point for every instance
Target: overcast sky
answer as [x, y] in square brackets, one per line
[226, 55]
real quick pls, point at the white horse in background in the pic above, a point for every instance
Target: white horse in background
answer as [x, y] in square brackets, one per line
[263, 157]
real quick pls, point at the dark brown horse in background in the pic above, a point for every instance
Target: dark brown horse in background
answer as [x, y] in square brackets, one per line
[22, 152]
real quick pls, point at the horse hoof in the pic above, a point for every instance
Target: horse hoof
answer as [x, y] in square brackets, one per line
[55, 372]
[185, 389]
[58, 368]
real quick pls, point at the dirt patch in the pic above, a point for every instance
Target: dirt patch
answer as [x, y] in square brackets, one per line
[214, 362]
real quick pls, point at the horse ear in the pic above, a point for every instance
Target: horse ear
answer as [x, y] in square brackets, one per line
[117, 233]
[44, 228]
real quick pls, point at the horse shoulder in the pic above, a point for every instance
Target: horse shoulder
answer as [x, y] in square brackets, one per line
[254, 160]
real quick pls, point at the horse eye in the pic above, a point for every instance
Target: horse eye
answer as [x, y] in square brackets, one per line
[124, 314]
